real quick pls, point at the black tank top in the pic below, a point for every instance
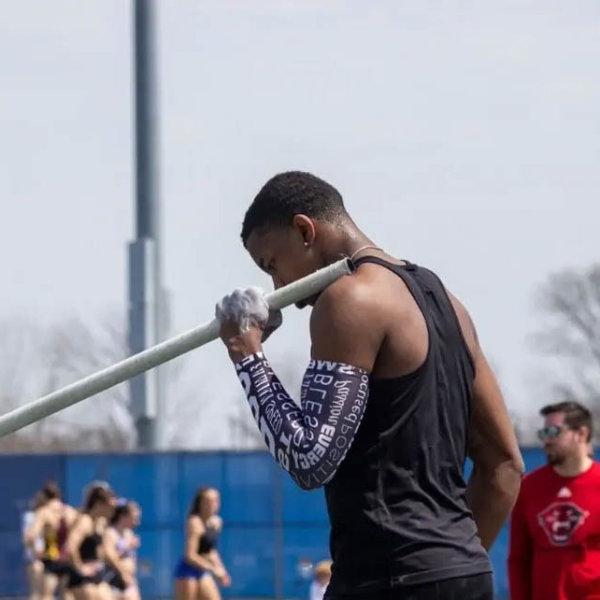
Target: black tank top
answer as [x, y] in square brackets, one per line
[208, 541]
[397, 503]
[88, 551]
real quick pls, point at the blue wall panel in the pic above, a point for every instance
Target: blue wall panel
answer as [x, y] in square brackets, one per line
[300, 506]
[250, 489]
[250, 553]
[270, 524]
[12, 570]
[302, 543]
[198, 470]
[159, 546]
[20, 478]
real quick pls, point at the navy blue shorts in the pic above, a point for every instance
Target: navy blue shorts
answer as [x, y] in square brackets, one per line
[186, 571]
[115, 580]
[57, 567]
[77, 579]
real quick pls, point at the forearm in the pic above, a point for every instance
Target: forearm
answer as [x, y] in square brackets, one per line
[216, 559]
[117, 564]
[112, 557]
[491, 494]
[75, 559]
[200, 561]
[310, 441]
[32, 534]
[29, 540]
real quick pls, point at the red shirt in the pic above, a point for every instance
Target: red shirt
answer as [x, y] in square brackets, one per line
[555, 537]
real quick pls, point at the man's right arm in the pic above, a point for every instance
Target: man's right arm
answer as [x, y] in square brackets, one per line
[497, 463]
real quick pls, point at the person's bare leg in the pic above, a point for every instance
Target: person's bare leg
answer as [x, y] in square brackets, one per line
[85, 592]
[186, 589]
[67, 594]
[35, 578]
[64, 593]
[103, 592]
[49, 586]
[132, 593]
[208, 589]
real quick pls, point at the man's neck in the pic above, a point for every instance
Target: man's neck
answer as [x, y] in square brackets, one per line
[573, 465]
[343, 239]
[354, 245]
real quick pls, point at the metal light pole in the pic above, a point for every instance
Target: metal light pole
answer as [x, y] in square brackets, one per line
[146, 296]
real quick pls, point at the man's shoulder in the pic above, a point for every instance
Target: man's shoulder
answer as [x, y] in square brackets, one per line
[347, 324]
[351, 295]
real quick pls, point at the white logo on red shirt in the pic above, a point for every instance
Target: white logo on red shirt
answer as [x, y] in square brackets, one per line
[560, 520]
[564, 492]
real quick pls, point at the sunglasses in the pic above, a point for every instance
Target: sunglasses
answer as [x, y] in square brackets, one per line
[551, 432]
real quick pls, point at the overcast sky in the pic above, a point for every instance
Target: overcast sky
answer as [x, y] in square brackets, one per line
[464, 136]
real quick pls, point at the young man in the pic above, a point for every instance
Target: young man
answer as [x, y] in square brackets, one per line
[397, 387]
[555, 526]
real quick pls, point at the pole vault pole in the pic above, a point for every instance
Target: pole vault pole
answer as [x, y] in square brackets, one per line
[161, 353]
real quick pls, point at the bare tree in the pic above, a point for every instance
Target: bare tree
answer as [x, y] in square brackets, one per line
[570, 304]
[35, 361]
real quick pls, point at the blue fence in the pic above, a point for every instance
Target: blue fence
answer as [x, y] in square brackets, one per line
[270, 524]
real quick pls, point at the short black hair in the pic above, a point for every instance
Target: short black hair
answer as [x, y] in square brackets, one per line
[289, 194]
[576, 415]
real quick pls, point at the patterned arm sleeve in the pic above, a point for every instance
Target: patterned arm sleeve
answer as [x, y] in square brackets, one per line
[310, 441]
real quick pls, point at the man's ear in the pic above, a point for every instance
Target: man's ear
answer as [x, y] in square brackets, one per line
[305, 226]
[583, 432]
